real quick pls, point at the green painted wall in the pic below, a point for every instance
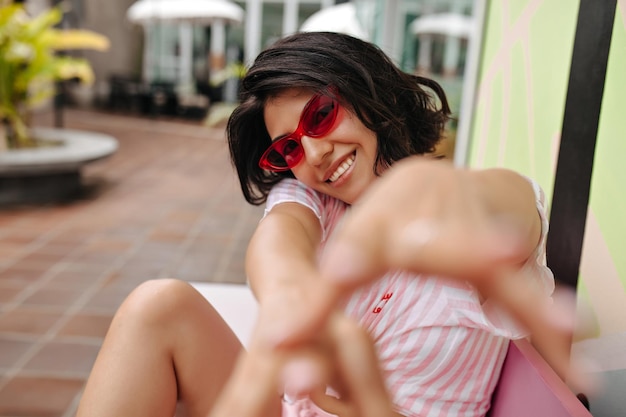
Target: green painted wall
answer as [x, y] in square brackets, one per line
[517, 120]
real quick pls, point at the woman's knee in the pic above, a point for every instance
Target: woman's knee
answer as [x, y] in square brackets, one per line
[159, 301]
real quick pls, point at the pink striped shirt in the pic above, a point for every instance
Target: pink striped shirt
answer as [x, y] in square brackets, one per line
[441, 350]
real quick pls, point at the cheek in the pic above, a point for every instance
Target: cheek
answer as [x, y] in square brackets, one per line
[370, 144]
[356, 129]
[303, 173]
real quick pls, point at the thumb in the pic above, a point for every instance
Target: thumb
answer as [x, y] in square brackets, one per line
[304, 325]
[361, 377]
[348, 264]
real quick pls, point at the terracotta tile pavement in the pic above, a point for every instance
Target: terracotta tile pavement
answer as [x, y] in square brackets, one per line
[166, 204]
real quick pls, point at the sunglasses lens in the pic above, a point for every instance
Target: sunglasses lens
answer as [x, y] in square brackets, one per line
[283, 154]
[292, 152]
[319, 116]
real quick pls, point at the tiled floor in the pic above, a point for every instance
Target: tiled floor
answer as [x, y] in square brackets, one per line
[166, 204]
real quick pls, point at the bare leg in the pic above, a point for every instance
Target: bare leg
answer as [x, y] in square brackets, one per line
[166, 343]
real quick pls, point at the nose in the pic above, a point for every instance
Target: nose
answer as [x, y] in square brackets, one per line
[316, 150]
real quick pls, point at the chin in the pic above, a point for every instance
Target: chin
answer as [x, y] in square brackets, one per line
[348, 198]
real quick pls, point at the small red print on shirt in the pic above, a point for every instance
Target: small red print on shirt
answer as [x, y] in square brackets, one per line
[379, 307]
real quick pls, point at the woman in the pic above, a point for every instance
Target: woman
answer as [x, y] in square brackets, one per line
[371, 254]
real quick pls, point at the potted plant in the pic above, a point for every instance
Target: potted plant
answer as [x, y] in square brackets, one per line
[41, 165]
[30, 65]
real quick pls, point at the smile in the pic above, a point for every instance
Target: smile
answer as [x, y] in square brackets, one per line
[342, 168]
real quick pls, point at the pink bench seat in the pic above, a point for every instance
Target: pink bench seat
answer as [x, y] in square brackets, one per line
[528, 387]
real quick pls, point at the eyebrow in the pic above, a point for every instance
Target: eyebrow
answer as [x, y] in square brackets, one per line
[279, 137]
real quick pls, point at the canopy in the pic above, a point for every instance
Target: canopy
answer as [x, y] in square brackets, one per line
[449, 24]
[340, 18]
[191, 11]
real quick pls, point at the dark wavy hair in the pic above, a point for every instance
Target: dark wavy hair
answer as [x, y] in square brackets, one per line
[406, 117]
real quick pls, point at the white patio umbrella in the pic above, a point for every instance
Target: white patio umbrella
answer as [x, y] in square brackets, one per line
[202, 12]
[185, 13]
[341, 18]
[449, 24]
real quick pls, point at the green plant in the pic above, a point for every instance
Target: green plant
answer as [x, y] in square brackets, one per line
[30, 64]
[233, 70]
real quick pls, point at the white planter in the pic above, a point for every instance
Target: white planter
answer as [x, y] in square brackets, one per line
[49, 174]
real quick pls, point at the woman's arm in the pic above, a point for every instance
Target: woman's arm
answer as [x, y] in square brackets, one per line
[432, 218]
[281, 265]
[282, 254]
[510, 197]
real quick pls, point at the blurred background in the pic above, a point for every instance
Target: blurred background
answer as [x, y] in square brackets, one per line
[184, 58]
[152, 193]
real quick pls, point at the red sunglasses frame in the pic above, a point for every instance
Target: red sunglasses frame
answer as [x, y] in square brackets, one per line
[279, 145]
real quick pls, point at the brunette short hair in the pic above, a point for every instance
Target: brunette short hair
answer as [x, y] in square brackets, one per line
[399, 107]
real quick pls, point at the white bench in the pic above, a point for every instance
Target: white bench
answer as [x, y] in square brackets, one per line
[235, 303]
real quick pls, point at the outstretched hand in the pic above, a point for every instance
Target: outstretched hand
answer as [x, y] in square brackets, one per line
[429, 218]
[421, 215]
[341, 356]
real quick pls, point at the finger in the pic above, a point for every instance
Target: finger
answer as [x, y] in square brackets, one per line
[358, 370]
[306, 371]
[362, 250]
[305, 321]
[467, 251]
[352, 260]
[554, 343]
[244, 396]
[333, 405]
[550, 324]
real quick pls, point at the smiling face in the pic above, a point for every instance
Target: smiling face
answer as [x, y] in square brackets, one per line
[340, 163]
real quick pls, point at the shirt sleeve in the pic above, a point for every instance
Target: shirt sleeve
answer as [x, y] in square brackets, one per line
[327, 209]
[536, 263]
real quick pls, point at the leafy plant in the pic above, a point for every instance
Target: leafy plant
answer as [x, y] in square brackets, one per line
[234, 70]
[30, 64]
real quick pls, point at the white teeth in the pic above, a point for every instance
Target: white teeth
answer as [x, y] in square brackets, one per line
[342, 168]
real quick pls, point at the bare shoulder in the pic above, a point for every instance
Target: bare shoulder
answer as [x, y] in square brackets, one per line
[292, 217]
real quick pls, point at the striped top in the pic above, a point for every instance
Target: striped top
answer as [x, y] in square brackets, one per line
[441, 350]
